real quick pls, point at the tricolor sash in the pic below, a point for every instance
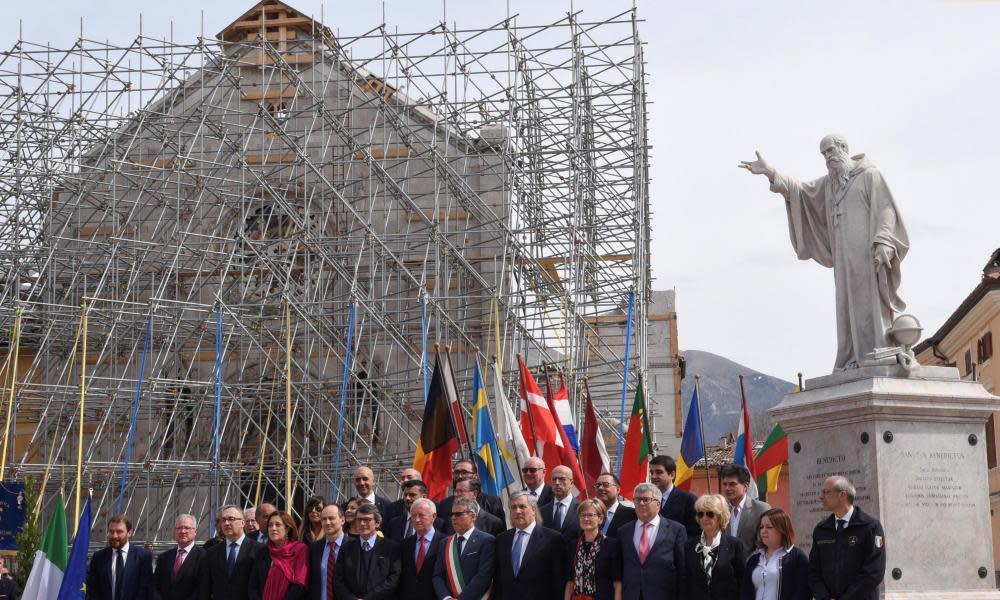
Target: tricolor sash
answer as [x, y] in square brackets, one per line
[453, 569]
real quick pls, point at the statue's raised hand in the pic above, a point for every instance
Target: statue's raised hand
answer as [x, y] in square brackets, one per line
[758, 167]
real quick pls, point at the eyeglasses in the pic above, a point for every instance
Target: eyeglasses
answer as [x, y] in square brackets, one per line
[603, 485]
[316, 508]
[588, 515]
[365, 519]
[230, 519]
[462, 472]
[531, 469]
[644, 500]
[706, 513]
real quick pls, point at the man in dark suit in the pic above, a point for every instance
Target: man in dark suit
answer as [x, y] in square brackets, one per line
[323, 553]
[533, 474]
[364, 483]
[120, 571]
[399, 507]
[472, 575]
[178, 569]
[744, 511]
[488, 503]
[607, 488]
[652, 551]
[225, 573]
[8, 588]
[560, 514]
[368, 567]
[678, 504]
[530, 559]
[847, 559]
[264, 510]
[472, 489]
[401, 527]
[419, 553]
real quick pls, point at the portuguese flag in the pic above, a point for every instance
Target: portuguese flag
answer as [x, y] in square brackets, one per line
[769, 459]
[638, 447]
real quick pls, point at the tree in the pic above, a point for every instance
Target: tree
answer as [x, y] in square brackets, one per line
[30, 535]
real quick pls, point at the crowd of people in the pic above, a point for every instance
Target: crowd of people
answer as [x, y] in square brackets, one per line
[666, 544]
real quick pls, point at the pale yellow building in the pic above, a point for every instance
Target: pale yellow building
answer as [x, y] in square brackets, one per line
[965, 341]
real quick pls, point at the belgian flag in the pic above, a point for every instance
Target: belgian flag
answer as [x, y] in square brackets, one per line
[438, 437]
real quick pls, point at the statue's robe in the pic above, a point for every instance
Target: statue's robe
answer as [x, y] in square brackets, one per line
[840, 229]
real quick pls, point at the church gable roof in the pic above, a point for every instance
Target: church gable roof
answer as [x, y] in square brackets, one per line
[268, 14]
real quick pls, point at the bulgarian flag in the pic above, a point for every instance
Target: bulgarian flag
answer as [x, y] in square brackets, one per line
[49, 564]
[769, 459]
[635, 456]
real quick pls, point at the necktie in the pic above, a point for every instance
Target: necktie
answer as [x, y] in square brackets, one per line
[422, 553]
[841, 523]
[330, 562]
[366, 546]
[644, 543]
[734, 525]
[534, 494]
[409, 528]
[119, 574]
[558, 517]
[518, 548]
[461, 544]
[231, 559]
[179, 561]
[607, 523]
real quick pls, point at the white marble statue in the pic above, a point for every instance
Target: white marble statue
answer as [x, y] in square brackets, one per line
[848, 220]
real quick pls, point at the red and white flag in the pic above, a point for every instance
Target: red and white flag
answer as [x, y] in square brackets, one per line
[593, 452]
[541, 428]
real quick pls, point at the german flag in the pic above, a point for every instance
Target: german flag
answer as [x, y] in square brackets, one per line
[438, 437]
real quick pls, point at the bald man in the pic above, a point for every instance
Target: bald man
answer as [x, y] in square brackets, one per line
[364, 483]
[560, 514]
[533, 474]
[399, 507]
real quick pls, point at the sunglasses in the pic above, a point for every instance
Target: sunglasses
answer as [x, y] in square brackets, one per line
[707, 513]
[531, 470]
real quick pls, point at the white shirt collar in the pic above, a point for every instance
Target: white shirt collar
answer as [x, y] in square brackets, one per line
[371, 540]
[613, 507]
[371, 497]
[715, 541]
[538, 491]
[239, 542]
[337, 542]
[125, 548]
[566, 501]
[529, 528]
[187, 549]
[744, 503]
[847, 516]
[655, 521]
[429, 535]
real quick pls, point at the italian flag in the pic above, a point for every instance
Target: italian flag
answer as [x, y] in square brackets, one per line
[50, 560]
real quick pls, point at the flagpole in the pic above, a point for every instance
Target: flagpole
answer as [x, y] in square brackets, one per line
[645, 422]
[524, 396]
[461, 414]
[701, 427]
[801, 387]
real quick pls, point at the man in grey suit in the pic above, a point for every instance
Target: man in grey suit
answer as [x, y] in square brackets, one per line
[472, 575]
[652, 550]
[745, 512]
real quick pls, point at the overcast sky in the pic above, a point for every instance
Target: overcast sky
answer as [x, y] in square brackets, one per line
[914, 85]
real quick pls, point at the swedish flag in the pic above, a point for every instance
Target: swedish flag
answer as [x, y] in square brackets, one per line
[492, 469]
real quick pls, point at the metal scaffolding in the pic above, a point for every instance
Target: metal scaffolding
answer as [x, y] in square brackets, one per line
[485, 189]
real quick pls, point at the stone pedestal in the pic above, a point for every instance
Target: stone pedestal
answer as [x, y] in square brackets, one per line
[913, 445]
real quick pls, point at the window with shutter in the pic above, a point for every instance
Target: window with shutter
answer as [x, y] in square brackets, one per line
[968, 362]
[987, 345]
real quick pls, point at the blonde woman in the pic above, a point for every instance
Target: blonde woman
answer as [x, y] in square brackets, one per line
[715, 560]
[594, 561]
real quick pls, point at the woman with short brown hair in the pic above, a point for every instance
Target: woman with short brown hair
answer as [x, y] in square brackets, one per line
[594, 568]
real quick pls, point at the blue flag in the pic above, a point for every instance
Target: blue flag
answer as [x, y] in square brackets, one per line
[493, 472]
[76, 569]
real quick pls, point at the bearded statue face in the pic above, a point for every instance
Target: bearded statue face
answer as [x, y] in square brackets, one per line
[838, 159]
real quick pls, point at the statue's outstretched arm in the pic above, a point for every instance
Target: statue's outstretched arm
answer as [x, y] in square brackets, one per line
[758, 167]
